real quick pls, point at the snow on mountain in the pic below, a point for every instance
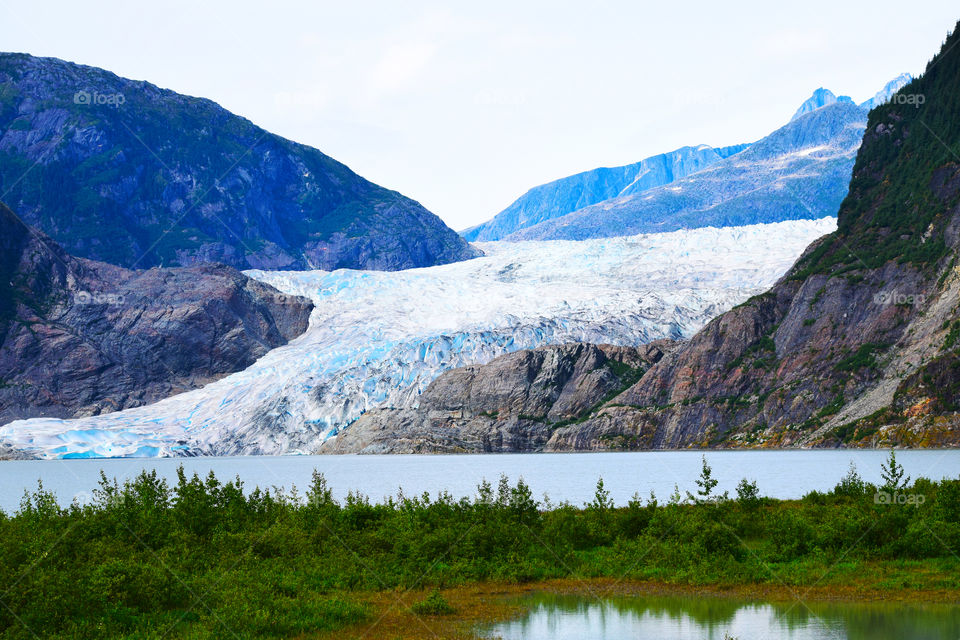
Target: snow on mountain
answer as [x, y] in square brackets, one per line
[378, 338]
[559, 197]
[800, 171]
[820, 98]
[603, 202]
[888, 90]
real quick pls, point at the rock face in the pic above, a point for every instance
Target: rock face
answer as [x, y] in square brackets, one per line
[79, 337]
[180, 180]
[514, 403]
[569, 194]
[858, 345]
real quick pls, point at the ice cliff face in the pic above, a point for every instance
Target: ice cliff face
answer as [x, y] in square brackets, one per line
[377, 338]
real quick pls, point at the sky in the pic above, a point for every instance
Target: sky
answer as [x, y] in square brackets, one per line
[464, 106]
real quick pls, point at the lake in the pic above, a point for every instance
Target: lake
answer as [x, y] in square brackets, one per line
[562, 476]
[553, 617]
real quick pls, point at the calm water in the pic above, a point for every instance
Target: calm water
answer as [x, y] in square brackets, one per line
[576, 618]
[563, 476]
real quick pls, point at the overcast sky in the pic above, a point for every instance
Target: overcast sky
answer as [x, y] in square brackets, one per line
[464, 106]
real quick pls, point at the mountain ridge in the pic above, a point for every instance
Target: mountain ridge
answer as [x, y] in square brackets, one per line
[599, 187]
[180, 180]
[565, 195]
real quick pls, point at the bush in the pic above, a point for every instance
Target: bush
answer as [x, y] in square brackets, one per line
[434, 605]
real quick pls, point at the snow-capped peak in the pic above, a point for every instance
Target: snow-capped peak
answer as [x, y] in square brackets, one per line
[820, 98]
[888, 90]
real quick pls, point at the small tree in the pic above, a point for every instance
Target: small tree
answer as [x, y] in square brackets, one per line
[893, 474]
[601, 499]
[706, 482]
[319, 493]
[748, 495]
[852, 484]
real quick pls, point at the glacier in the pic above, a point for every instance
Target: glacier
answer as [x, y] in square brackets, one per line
[379, 338]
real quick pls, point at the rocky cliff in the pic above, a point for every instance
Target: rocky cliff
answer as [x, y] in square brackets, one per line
[79, 337]
[857, 345]
[514, 403]
[179, 180]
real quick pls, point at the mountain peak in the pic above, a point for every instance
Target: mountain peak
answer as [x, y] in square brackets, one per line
[820, 98]
[888, 90]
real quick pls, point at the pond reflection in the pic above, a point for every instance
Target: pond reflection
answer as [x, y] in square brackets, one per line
[553, 617]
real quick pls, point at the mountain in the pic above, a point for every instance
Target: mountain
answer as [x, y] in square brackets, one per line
[888, 90]
[556, 384]
[608, 202]
[857, 345]
[566, 195]
[127, 173]
[820, 98]
[79, 337]
[799, 171]
[380, 338]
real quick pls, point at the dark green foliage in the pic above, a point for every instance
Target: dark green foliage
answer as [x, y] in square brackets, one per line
[863, 357]
[205, 559]
[901, 192]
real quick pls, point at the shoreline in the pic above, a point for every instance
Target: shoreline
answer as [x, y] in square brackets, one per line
[488, 603]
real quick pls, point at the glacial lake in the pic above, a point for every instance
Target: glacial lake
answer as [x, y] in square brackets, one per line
[553, 617]
[562, 476]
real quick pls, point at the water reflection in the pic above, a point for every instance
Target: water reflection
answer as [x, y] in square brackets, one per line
[683, 618]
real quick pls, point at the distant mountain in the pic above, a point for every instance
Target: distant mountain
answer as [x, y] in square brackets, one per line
[888, 90]
[698, 186]
[79, 337]
[800, 171]
[125, 172]
[563, 196]
[820, 98]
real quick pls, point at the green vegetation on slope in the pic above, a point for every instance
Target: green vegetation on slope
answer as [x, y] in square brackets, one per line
[901, 192]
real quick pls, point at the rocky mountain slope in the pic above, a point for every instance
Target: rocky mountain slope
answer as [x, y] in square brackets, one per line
[79, 337]
[180, 180]
[514, 403]
[856, 345]
[569, 194]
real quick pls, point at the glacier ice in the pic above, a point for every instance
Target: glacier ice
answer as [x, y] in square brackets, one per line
[378, 338]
